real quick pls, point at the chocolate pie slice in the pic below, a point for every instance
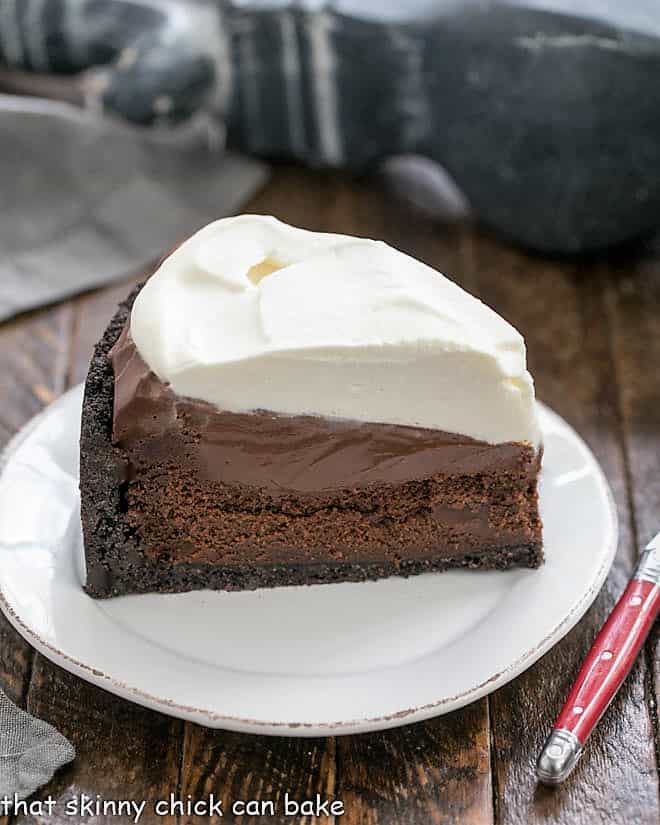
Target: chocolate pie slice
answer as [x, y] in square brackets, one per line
[277, 407]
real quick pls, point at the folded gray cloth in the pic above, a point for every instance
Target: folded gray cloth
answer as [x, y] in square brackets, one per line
[85, 200]
[30, 752]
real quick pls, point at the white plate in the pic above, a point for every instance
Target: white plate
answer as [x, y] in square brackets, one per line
[300, 661]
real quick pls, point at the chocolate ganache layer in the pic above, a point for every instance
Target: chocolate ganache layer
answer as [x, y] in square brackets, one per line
[282, 453]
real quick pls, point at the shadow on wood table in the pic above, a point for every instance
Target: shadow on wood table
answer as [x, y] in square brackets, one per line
[593, 338]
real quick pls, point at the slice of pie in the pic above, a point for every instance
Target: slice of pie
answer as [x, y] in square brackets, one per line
[276, 407]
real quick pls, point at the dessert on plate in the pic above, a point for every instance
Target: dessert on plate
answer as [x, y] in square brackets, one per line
[276, 406]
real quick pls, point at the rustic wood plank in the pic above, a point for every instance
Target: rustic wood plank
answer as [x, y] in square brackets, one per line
[15, 662]
[561, 311]
[633, 298]
[34, 352]
[124, 752]
[432, 772]
[238, 768]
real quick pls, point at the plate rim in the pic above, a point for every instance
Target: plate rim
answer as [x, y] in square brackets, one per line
[212, 719]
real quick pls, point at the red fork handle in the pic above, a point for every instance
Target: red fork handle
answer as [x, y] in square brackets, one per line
[607, 664]
[610, 659]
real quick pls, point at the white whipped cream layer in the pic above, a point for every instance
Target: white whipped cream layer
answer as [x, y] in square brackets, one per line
[250, 313]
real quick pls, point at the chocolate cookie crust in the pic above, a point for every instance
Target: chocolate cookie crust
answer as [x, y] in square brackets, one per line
[167, 528]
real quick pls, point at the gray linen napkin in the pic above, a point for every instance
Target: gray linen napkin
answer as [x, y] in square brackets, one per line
[30, 751]
[85, 200]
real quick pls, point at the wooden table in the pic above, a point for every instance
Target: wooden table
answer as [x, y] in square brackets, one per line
[593, 337]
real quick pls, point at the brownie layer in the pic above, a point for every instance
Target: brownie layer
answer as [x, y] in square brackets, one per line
[203, 498]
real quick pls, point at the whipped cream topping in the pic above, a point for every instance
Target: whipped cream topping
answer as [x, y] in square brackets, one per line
[250, 313]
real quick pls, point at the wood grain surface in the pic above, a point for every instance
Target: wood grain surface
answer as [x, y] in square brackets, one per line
[593, 340]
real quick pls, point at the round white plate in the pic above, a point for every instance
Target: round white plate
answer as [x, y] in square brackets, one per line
[302, 661]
